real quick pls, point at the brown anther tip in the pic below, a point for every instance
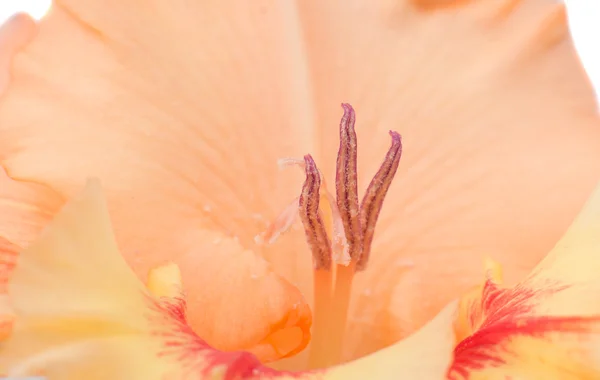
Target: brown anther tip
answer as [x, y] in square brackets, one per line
[349, 117]
[396, 137]
[347, 108]
[314, 228]
[310, 165]
[346, 182]
[374, 196]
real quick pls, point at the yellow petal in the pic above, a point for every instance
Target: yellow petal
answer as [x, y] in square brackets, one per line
[569, 273]
[165, 281]
[545, 327]
[510, 332]
[565, 355]
[575, 259]
[25, 208]
[71, 285]
[424, 355]
[82, 313]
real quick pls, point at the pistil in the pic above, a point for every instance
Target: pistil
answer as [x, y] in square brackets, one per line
[318, 241]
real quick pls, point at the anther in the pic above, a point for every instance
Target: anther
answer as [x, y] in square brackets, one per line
[314, 228]
[374, 196]
[346, 183]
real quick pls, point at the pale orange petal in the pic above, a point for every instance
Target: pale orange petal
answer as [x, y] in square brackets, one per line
[81, 313]
[501, 142]
[238, 302]
[173, 126]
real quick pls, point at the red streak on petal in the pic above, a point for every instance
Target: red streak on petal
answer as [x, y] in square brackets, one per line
[504, 314]
[487, 347]
[196, 357]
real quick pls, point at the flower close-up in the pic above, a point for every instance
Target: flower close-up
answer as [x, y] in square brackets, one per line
[242, 224]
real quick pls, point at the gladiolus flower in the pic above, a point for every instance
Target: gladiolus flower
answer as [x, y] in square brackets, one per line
[182, 109]
[81, 312]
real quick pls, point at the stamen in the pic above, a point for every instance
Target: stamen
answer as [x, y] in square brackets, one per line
[351, 227]
[314, 228]
[374, 196]
[316, 236]
[346, 183]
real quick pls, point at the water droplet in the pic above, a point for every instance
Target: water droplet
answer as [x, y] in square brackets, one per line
[254, 276]
[217, 241]
[207, 208]
[258, 239]
[367, 292]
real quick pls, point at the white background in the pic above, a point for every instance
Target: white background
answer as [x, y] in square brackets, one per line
[584, 16]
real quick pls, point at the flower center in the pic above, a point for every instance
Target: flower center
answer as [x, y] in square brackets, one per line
[339, 231]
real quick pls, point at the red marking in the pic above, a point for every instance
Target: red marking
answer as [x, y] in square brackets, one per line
[197, 357]
[504, 314]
